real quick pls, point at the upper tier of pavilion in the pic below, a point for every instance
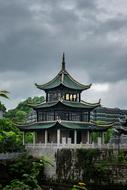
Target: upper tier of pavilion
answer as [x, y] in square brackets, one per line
[63, 78]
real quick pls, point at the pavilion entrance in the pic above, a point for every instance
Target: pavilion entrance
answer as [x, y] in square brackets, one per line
[79, 137]
[71, 136]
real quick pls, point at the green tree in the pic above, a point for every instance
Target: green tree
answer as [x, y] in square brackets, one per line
[10, 137]
[20, 113]
[2, 107]
[108, 135]
[17, 185]
[26, 172]
[20, 116]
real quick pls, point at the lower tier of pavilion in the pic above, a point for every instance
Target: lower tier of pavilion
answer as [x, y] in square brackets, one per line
[64, 132]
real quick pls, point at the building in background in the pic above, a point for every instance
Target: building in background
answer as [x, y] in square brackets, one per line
[104, 114]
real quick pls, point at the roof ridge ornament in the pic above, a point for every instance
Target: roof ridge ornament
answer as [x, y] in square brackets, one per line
[99, 101]
[63, 78]
[63, 62]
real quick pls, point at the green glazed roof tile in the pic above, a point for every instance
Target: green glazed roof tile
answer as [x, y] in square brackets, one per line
[67, 124]
[65, 79]
[36, 126]
[81, 104]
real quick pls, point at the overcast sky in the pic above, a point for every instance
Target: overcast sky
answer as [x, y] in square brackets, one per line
[92, 33]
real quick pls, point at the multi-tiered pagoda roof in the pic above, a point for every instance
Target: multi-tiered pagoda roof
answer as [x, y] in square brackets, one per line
[63, 107]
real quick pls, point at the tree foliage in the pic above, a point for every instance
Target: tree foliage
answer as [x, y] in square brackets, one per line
[2, 107]
[21, 112]
[26, 172]
[107, 135]
[10, 137]
[16, 185]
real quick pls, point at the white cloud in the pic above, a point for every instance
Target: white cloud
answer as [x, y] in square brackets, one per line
[100, 87]
[93, 34]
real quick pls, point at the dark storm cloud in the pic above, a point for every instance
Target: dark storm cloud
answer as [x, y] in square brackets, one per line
[85, 4]
[104, 63]
[33, 35]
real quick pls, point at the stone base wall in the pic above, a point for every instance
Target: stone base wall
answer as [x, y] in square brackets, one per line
[74, 165]
[49, 154]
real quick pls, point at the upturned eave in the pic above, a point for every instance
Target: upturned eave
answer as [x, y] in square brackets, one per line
[65, 79]
[78, 125]
[80, 105]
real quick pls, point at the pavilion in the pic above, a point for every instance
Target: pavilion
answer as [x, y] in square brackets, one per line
[63, 118]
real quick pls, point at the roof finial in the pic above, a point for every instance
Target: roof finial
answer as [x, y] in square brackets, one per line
[63, 62]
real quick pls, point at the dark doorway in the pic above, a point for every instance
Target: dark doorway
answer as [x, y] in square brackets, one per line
[71, 135]
[78, 137]
[48, 140]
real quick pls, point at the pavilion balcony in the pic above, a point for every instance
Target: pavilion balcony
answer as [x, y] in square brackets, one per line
[55, 146]
[58, 141]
